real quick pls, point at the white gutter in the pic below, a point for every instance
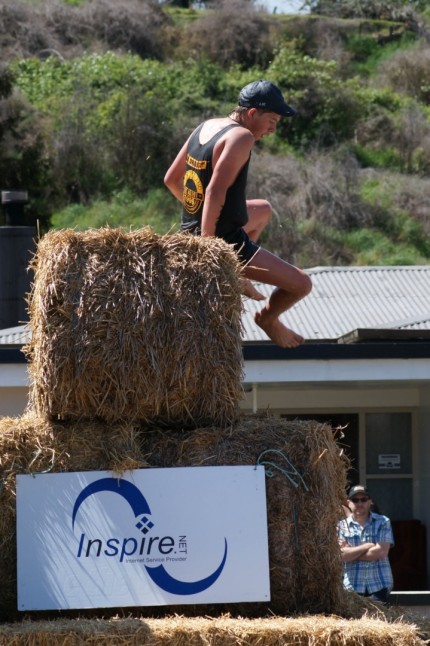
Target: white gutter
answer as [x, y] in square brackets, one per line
[312, 370]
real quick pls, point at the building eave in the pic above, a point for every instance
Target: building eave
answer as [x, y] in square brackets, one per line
[12, 355]
[338, 351]
[337, 363]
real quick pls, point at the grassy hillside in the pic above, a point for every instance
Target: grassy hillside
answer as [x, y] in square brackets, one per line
[98, 95]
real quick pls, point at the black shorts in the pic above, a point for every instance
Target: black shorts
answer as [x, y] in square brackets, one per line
[244, 247]
[239, 239]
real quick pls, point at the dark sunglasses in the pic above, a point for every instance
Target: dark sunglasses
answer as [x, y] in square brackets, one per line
[356, 500]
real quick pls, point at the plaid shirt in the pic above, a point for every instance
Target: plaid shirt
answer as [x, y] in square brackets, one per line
[367, 576]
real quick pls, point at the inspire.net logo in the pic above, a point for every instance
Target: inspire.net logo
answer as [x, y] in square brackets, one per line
[150, 549]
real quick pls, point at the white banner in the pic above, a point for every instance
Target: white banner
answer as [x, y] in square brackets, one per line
[153, 537]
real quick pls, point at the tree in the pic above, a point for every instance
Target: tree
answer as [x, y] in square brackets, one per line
[23, 152]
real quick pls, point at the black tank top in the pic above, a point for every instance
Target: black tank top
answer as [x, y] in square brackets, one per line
[198, 174]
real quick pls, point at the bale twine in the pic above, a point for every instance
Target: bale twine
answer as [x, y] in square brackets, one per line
[306, 477]
[133, 326]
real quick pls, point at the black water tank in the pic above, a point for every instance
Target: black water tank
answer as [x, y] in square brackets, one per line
[17, 246]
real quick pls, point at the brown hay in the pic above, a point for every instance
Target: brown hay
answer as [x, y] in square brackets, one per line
[205, 631]
[357, 607]
[135, 326]
[305, 565]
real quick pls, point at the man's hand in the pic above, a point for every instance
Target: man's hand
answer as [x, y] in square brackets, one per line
[355, 553]
[377, 552]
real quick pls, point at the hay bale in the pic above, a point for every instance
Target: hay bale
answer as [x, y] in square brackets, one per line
[304, 557]
[204, 631]
[133, 326]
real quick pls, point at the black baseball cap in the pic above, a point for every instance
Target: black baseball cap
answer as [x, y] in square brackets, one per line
[266, 95]
[358, 489]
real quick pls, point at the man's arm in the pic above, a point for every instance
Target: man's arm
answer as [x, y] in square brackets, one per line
[355, 553]
[377, 552]
[174, 177]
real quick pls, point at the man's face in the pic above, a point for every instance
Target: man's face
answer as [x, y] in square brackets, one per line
[263, 123]
[360, 504]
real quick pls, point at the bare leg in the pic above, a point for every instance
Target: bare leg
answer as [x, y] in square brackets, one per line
[259, 214]
[292, 284]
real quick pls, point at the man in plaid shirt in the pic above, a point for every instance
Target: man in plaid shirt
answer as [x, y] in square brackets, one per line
[365, 539]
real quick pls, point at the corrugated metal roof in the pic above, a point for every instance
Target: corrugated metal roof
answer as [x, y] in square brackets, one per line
[15, 336]
[343, 299]
[346, 298]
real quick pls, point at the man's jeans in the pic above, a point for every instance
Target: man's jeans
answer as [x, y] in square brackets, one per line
[379, 595]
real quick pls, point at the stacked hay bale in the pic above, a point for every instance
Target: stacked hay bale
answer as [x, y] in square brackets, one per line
[205, 631]
[135, 339]
[135, 326]
[302, 503]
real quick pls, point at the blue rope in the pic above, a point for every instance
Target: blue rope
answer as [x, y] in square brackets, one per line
[290, 473]
[287, 472]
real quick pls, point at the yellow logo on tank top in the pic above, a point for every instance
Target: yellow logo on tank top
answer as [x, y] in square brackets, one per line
[198, 164]
[193, 194]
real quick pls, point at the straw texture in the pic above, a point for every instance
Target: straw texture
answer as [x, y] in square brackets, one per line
[204, 631]
[133, 326]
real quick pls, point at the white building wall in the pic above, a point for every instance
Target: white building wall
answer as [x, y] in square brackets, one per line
[13, 389]
[294, 397]
[13, 401]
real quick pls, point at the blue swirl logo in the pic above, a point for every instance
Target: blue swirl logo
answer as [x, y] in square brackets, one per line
[128, 546]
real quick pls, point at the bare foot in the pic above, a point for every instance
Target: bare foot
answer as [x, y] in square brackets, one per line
[278, 332]
[249, 290]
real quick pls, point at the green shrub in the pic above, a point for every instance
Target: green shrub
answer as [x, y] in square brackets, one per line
[113, 119]
[375, 192]
[329, 107]
[369, 53]
[362, 47]
[378, 157]
[24, 156]
[407, 220]
[46, 82]
[181, 87]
